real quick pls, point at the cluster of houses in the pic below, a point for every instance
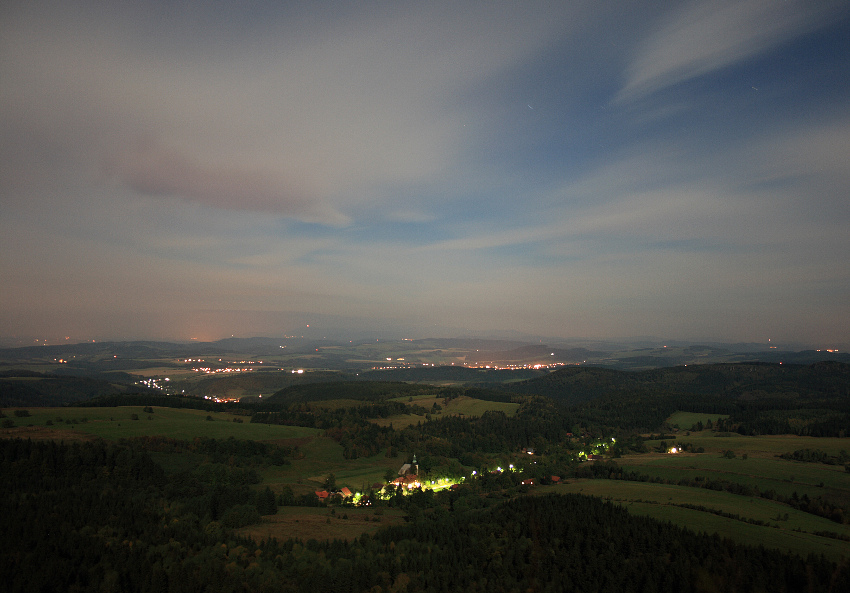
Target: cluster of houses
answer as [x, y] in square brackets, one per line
[342, 493]
[408, 478]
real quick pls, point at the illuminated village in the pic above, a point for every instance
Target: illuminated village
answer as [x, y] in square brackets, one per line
[409, 479]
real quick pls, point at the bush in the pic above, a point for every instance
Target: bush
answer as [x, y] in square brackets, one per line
[22, 413]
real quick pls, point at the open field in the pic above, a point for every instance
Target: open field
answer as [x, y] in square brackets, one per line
[306, 523]
[459, 406]
[774, 469]
[762, 468]
[320, 455]
[115, 423]
[765, 446]
[783, 477]
[795, 534]
[323, 456]
[171, 372]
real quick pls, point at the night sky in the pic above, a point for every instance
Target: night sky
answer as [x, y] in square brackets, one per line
[178, 170]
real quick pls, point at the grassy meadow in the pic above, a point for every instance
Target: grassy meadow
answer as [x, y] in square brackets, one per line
[318, 456]
[762, 466]
[321, 523]
[764, 446]
[796, 533]
[323, 456]
[116, 423]
[459, 406]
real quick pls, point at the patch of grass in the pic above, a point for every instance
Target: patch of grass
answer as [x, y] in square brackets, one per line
[767, 474]
[476, 407]
[399, 420]
[323, 456]
[462, 406]
[318, 523]
[766, 446]
[796, 534]
[115, 423]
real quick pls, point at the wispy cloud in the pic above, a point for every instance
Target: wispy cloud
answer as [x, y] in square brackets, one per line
[704, 36]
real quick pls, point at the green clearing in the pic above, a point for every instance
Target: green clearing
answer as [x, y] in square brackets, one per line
[306, 523]
[686, 420]
[659, 500]
[184, 424]
[762, 468]
[319, 455]
[459, 406]
[784, 477]
[323, 456]
[766, 446]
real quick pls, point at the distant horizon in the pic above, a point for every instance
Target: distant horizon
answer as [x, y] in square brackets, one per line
[365, 337]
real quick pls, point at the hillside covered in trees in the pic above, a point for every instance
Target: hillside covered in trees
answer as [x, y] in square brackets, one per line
[92, 517]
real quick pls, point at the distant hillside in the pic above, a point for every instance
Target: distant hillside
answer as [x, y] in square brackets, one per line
[761, 398]
[31, 389]
[134, 350]
[265, 382]
[534, 353]
[357, 390]
[573, 385]
[455, 374]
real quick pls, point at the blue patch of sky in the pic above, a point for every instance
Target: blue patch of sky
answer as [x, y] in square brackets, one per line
[549, 127]
[791, 82]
